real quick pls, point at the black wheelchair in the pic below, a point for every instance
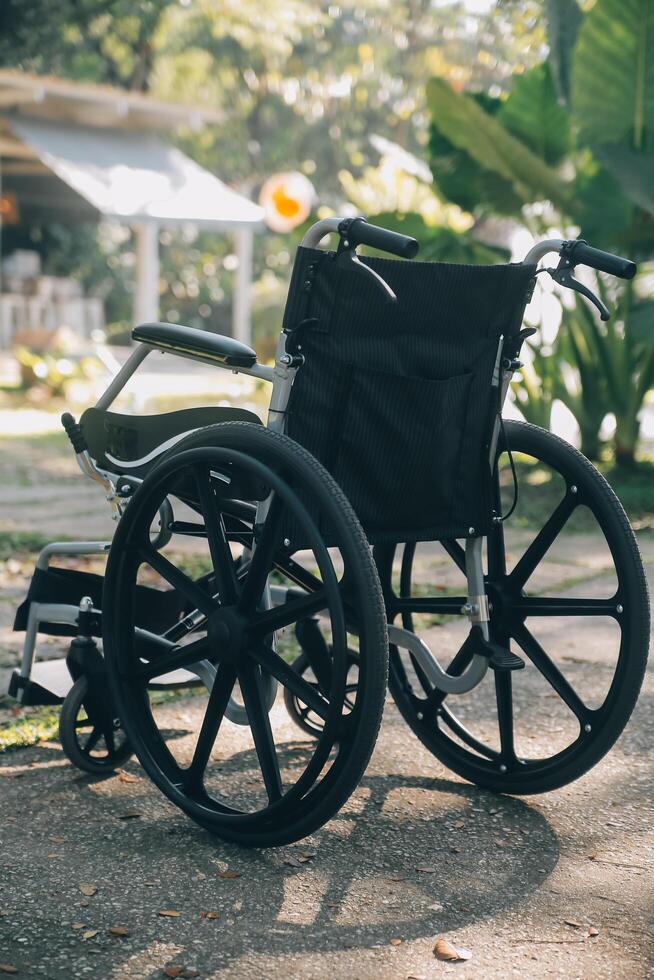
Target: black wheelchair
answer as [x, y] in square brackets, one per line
[250, 557]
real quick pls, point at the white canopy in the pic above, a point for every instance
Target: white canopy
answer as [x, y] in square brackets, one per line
[134, 177]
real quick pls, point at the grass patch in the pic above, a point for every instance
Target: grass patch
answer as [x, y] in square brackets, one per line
[17, 542]
[25, 730]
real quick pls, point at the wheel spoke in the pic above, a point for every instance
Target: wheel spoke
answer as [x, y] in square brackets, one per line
[178, 580]
[550, 672]
[175, 659]
[316, 651]
[537, 606]
[249, 678]
[92, 740]
[273, 664]
[221, 554]
[466, 736]
[504, 701]
[447, 605]
[221, 691]
[289, 612]
[542, 542]
[262, 558]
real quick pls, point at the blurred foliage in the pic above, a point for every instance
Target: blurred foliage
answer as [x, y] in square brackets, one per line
[51, 369]
[303, 86]
[570, 153]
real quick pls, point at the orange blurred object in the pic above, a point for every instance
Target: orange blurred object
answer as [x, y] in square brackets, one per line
[286, 199]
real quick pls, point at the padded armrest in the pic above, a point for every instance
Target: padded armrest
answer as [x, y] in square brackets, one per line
[202, 344]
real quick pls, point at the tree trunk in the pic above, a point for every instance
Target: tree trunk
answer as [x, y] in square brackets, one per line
[590, 443]
[625, 441]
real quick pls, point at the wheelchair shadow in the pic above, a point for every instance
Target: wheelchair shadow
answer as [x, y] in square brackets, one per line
[408, 856]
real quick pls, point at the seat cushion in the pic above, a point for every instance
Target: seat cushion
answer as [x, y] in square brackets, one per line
[200, 344]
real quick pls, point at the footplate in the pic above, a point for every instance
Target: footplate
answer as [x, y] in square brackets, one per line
[499, 658]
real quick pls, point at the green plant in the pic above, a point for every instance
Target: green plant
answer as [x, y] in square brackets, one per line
[576, 137]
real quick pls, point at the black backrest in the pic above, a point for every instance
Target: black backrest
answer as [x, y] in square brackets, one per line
[396, 399]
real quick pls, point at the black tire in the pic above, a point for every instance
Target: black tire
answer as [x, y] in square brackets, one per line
[95, 752]
[240, 645]
[433, 717]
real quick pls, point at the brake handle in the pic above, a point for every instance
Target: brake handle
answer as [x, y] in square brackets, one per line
[564, 275]
[347, 258]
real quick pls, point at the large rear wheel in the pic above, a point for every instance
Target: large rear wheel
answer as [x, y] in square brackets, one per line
[580, 621]
[261, 539]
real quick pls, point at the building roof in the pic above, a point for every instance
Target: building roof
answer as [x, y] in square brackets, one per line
[79, 152]
[96, 105]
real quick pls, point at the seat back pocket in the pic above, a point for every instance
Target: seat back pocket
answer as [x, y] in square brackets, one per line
[397, 447]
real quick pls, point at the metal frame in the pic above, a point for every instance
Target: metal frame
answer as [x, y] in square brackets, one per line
[281, 376]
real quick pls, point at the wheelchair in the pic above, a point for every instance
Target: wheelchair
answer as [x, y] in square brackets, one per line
[249, 558]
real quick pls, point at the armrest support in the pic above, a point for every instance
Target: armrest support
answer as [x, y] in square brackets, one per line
[200, 344]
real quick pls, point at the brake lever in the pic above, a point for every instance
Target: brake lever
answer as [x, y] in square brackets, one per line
[347, 258]
[563, 274]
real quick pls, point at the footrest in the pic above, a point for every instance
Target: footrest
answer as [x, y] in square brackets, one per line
[499, 658]
[502, 659]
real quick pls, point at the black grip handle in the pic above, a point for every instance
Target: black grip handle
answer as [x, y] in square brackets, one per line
[580, 253]
[74, 432]
[359, 232]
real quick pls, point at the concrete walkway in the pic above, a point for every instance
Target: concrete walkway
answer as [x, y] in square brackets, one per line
[556, 885]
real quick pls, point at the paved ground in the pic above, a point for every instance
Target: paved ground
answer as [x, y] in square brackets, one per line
[556, 885]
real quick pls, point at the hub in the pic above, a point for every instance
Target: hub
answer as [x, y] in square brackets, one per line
[226, 632]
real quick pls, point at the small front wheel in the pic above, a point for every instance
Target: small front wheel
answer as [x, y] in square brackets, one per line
[96, 747]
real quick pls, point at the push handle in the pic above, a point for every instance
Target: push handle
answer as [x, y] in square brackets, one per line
[580, 253]
[359, 232]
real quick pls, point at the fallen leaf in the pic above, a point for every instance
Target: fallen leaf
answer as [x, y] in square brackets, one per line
[169, 913]
[445, 950]
[118, 931]
[396, 877]
[127, 777]
[292, 861]
[173, 971]
[87, 889]
[459, 824]
[8, 968]
[593, 931]
[90, 933]
[572, 923]
[209, 915]
[77, 925]
[229, 874]
[395, 942]
[427, 871]
[58, 840]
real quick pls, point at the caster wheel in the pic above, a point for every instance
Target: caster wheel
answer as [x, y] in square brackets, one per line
[92, 747]
[303, 716]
